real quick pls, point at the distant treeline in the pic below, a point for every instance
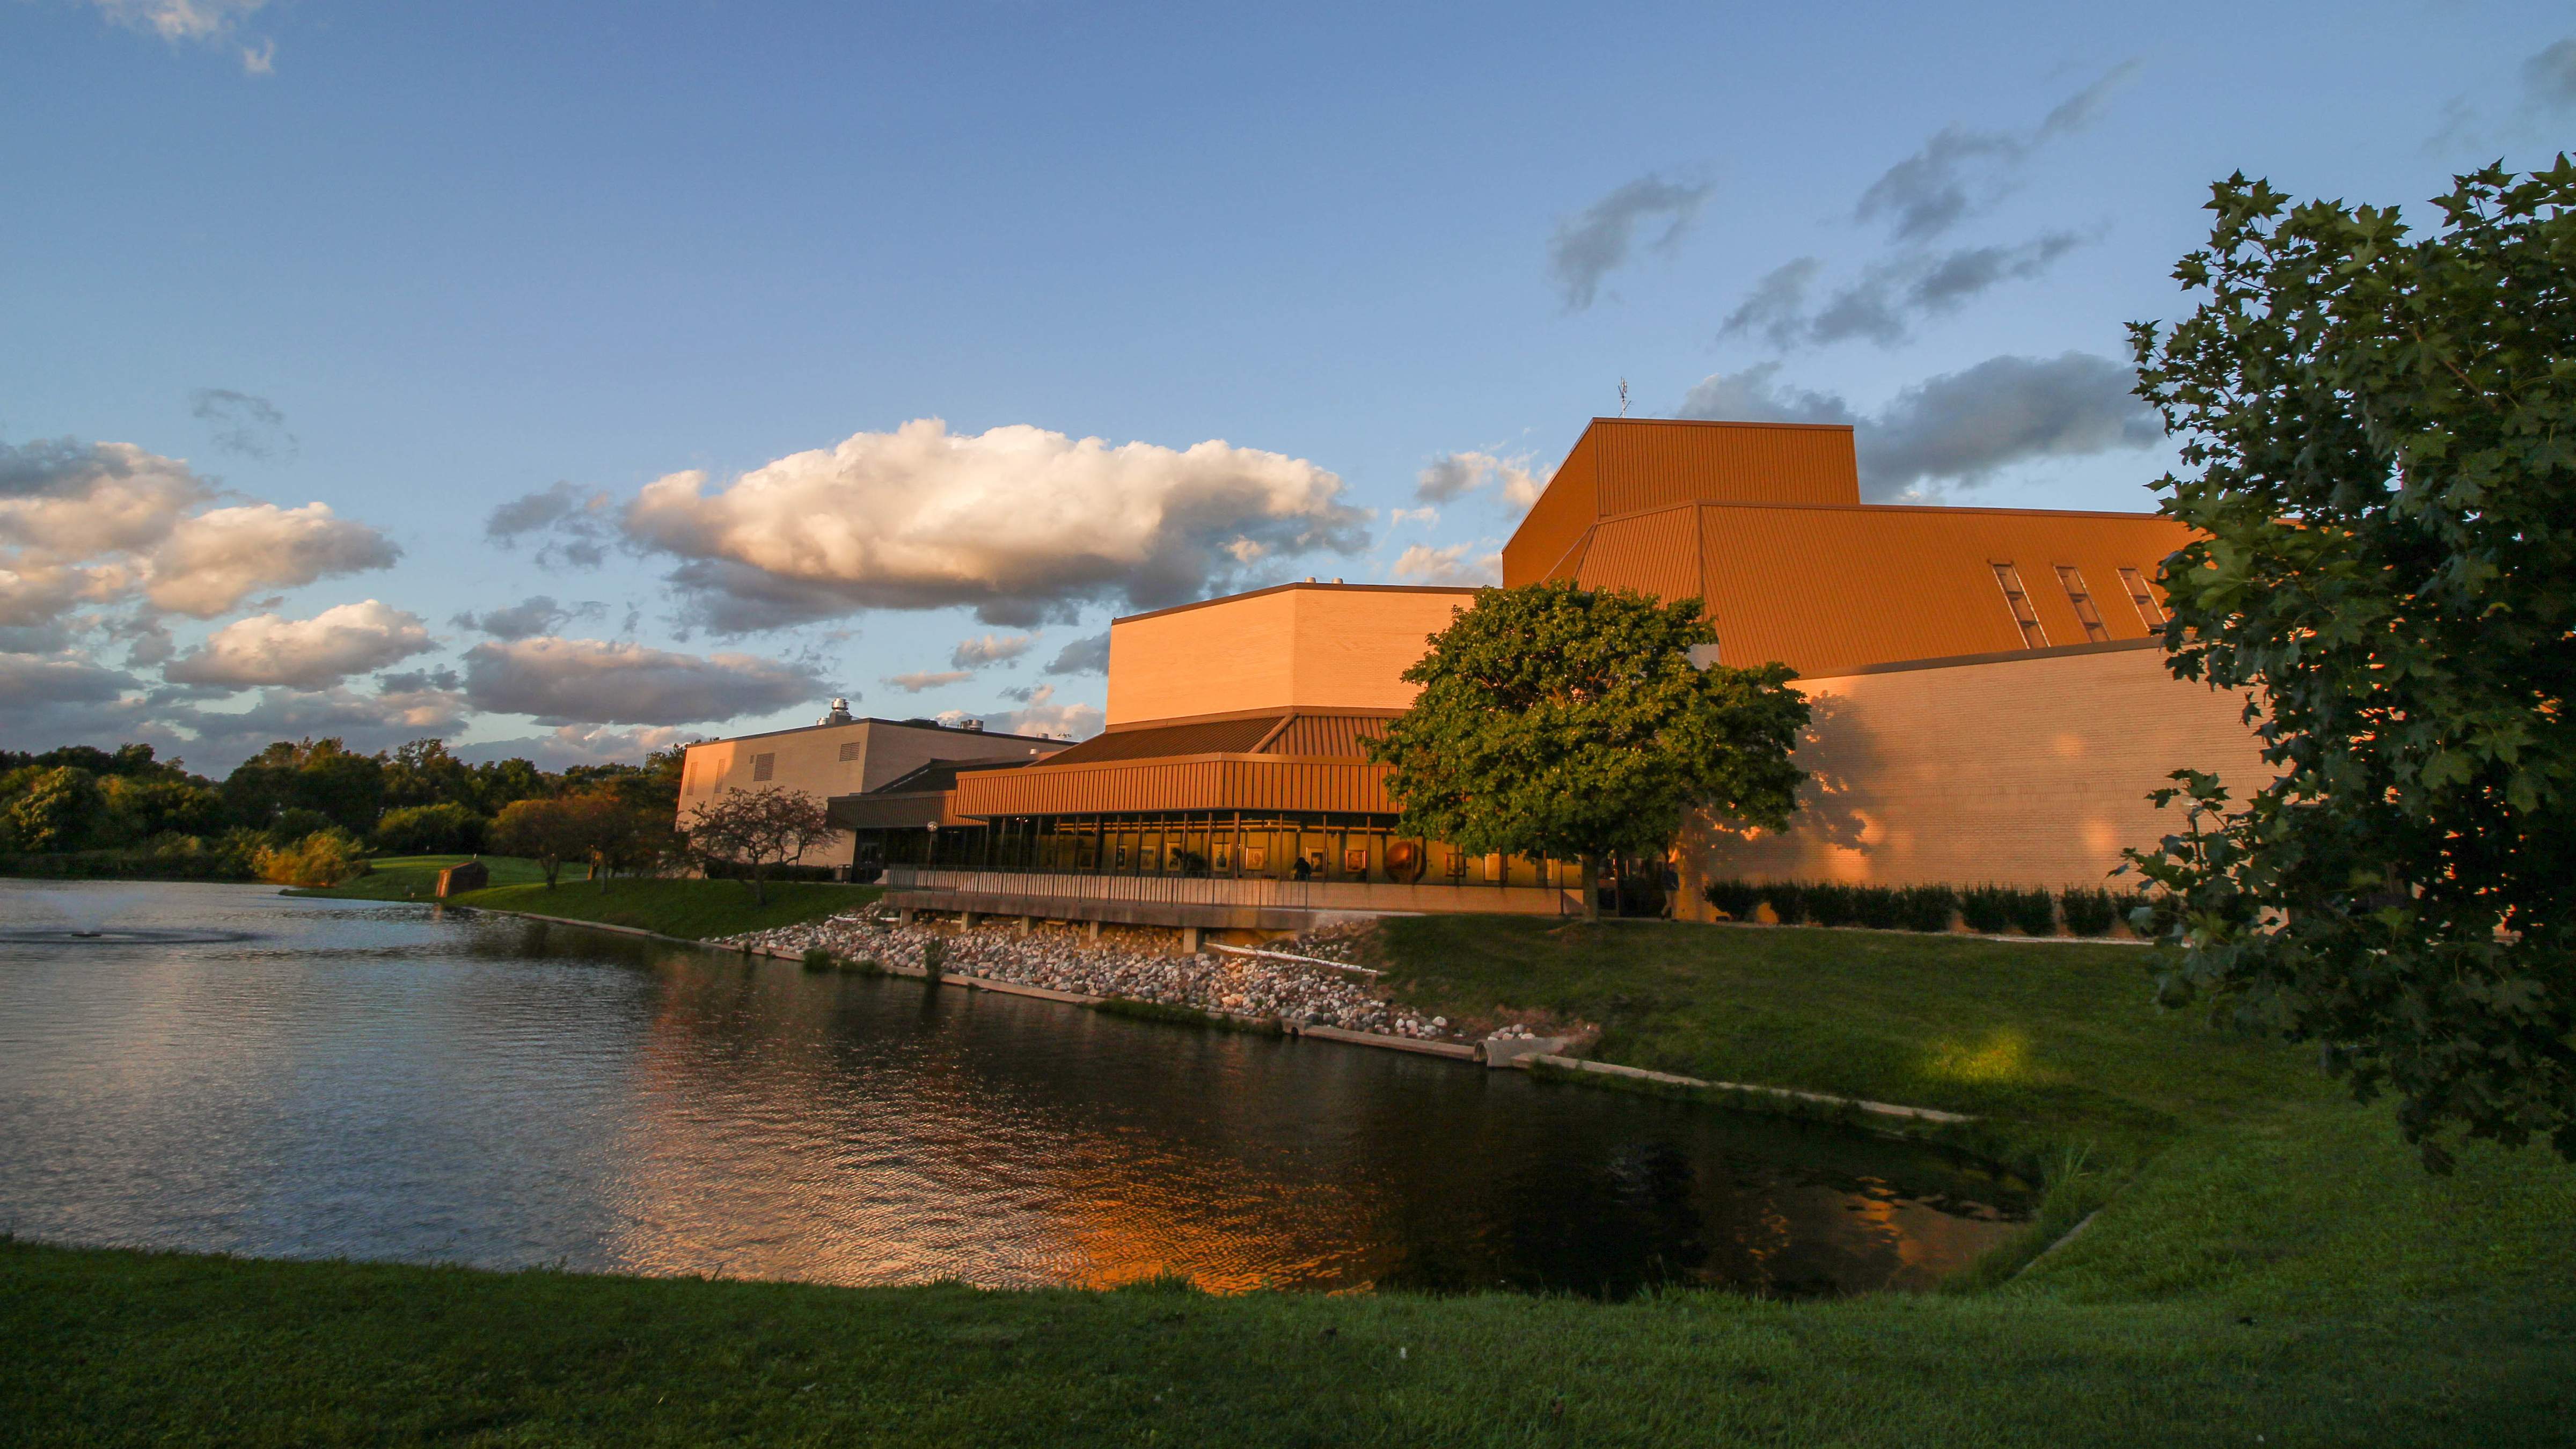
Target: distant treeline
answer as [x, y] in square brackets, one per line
[80, 810]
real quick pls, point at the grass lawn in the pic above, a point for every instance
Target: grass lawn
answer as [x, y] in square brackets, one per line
[415, 877]
[2272, 1269]
[695, 909]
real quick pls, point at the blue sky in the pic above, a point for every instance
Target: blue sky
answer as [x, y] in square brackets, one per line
[1333, 286]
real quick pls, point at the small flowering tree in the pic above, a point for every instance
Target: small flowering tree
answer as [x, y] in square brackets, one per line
[755, 829]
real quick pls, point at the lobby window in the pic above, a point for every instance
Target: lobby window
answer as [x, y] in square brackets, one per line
[2150, 613]
[2071, 579]
[762, 767]
[2018, 600]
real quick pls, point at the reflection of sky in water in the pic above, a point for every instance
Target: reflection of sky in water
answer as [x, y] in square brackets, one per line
[373, 1082]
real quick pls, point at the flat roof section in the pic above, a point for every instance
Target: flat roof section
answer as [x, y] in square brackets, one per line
[1334, 587]
[908, 724]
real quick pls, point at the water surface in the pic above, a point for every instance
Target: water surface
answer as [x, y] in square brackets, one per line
[376, 1081]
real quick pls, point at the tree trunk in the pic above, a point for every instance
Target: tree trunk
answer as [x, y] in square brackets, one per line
[1591, 887]
[1619, 883]
[759, 897]
[1691, 906]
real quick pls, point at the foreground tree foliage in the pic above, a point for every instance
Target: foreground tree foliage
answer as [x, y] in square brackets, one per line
[756, 830]
[1565, 723]
[2382, 433]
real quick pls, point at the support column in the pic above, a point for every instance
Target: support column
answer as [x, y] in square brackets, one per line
[1091, 929]
[1189, 940]
[966, 919]
[903, 916]
[1028, 924]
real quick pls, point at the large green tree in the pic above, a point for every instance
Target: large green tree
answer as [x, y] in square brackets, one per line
[323, 775]
[1570, 724]
[2379, 437]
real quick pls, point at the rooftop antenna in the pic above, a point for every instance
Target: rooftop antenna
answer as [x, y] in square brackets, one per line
[1623, 397]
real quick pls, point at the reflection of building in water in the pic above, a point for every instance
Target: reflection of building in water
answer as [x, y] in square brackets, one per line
[771, 1124]
[1992, 705]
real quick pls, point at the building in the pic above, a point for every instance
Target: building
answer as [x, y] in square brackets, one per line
[1991, 704]
[845, 755]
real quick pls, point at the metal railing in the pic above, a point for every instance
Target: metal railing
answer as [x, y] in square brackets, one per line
[1218, 891]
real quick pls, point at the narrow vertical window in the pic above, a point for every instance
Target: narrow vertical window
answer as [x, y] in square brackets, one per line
[762, 766]
[2071, 579]
[2024, 616]
[2150, 613]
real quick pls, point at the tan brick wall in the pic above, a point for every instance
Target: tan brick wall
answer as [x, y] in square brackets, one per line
[810, 760]
[2030, 771]
[1315, 646]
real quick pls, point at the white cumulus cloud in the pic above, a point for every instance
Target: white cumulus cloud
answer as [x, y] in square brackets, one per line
[594, 681]
[1457, 563]
[216, 559]
[304, 653]
[101, 523]
[1454, 475]
[1018, 523]
[990, 649]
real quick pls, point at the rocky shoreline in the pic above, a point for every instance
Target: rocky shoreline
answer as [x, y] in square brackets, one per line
[1060, 958]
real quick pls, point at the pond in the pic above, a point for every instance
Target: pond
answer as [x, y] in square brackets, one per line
[296, 1078]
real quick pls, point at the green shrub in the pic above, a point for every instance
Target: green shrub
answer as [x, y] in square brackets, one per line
[2088, 912]
[1927, 908]
[323, 858]
[1987, 909]
[2035, 911]
[1734, 897]
[934, 958]
[861, 966]
[817, 959]
[1877, 907]
[1831, 905]
[1788, 901]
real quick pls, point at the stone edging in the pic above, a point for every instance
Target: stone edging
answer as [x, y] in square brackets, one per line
[1459, 1051]
[1454, 1051]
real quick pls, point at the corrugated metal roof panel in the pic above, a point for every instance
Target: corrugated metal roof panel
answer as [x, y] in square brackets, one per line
[1565, 508]
[1823, 589]
[1658, 552]
[1336, 736]
[1205, 783]
[1206, 737]
[1649, 462]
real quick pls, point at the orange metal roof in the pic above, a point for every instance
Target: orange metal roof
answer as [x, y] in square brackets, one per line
[1621, 465]
[1296, 762]
[1823, 588]
[1207, 737]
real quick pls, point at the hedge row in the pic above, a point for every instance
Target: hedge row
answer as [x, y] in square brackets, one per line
[1988, 910]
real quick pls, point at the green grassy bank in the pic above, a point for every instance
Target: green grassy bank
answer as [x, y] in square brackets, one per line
[693, 909]
[2273, 1268]
[415, 877]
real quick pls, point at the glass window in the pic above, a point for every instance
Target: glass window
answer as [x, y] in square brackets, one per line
[2071, 579]
[2143, 599]
[2018, 600]
[762, 767]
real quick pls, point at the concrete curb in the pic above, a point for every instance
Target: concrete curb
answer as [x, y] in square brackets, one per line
[1670, 1079]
